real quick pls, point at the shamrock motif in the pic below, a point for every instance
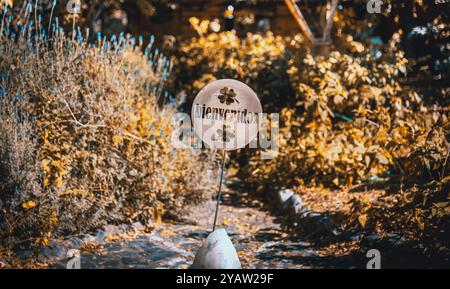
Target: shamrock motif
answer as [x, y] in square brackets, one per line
[227, 96]
[225, 134]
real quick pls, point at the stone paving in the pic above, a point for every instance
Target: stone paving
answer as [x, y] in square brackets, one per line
[256, 235]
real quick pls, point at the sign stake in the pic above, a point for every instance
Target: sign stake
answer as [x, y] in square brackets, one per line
[225, 115]
[219, 193]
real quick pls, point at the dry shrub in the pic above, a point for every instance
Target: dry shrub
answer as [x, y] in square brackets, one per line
[103, 142]
[19, 175]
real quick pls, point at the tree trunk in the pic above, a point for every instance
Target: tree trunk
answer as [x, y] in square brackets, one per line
[321, 46]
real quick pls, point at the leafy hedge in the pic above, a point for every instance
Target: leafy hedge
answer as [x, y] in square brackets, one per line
[345, 117]
[353, 121]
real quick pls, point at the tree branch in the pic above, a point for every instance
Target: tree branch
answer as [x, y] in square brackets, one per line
[295, 11]
[330, 15]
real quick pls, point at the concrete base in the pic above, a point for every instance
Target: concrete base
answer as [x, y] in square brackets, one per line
[217, 253]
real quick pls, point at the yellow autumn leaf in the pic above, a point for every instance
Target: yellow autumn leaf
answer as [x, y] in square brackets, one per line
[59, 181]
[421, 225]
[42, 241]
[441, 204]
[29, 204]
[158, 217]
[420, 222]
[9, 2]
[117, 139]
[362, 220]
[74, 192]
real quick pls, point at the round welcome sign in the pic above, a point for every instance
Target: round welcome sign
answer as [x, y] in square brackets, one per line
[225, 114]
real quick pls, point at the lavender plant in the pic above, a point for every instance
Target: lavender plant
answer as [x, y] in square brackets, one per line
[85, 132]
